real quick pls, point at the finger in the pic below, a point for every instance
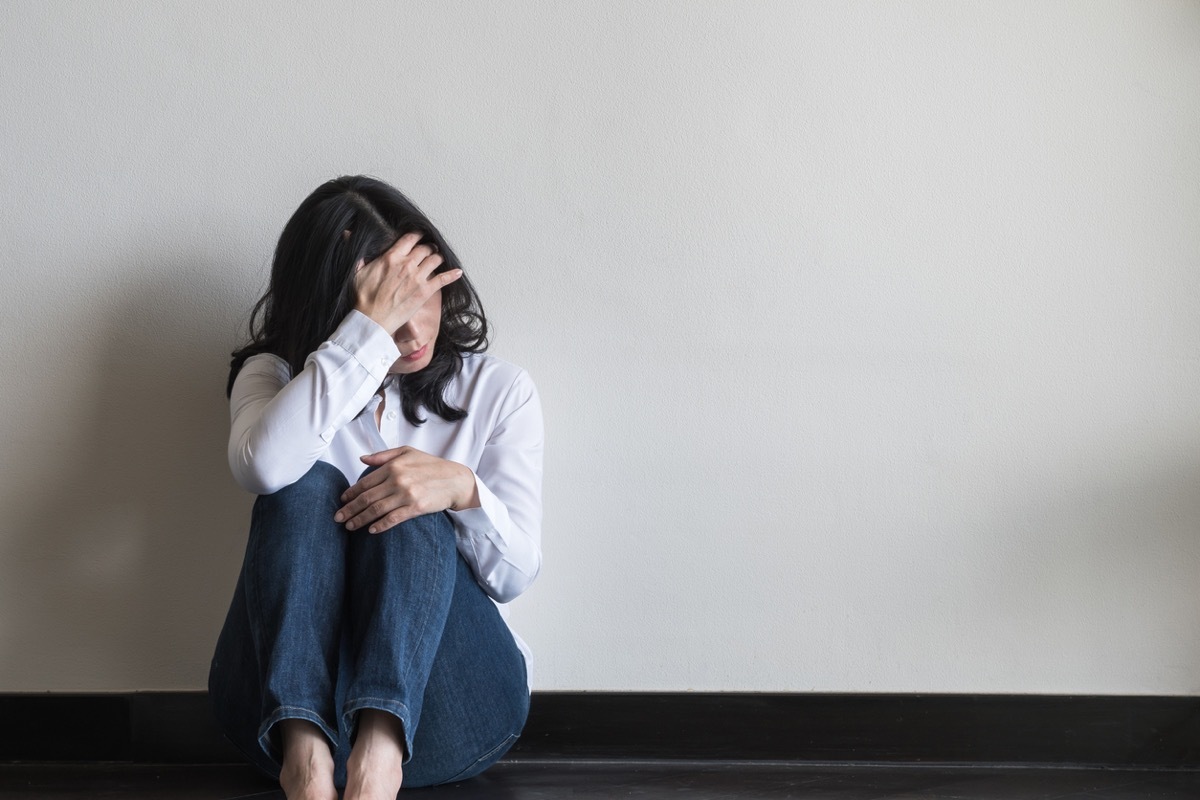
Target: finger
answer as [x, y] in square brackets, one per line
[429, 264]
[426, 274]
[365, 483]
[404, 244]
[383, 456]
[446, 278]
[412, 262]
[422, 253]
[352, 509]
[349, 512]
[373, 512]
[394, 518]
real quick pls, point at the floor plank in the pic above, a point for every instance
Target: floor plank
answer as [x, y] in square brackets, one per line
[585, 780]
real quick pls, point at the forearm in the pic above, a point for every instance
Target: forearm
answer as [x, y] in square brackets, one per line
[502, 543]
[280, 427]
[501, 537]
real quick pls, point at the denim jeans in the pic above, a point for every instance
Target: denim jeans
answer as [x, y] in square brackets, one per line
[326, 622]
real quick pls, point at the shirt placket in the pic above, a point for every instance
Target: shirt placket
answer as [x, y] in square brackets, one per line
[367, 427]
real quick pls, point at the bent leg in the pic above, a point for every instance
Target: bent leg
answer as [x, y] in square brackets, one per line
[477, 698]
[400, 585]
[277, 655]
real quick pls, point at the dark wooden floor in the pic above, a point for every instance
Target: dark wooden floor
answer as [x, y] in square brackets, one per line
[707, 780]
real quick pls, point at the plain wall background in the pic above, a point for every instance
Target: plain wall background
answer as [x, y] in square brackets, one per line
[867, 333]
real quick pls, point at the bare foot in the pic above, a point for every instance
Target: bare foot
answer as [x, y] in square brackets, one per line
[307, 772]
[373, 771]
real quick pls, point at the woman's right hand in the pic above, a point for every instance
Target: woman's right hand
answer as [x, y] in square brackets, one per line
[391, 288]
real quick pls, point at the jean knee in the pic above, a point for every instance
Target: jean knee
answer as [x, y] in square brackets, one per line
[323, 480]
[435, 529]
[437, 525]
[424, 543]
[317, 491]
[299, 517]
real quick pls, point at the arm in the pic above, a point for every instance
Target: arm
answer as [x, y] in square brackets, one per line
[496, 509]
[502, 539]
[280, 427]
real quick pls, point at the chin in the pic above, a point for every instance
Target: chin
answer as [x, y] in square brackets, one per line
[404, 368]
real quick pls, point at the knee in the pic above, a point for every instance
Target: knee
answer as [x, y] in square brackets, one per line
[300, 512]
[429, 536]
[435, 527]
[322, 485]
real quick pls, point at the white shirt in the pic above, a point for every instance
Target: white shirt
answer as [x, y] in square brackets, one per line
[282, 425]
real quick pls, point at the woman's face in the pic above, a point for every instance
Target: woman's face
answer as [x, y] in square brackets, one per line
[416, 337]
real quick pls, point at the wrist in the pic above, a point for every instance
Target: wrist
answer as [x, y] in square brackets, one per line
[375, 316]
[468, 493]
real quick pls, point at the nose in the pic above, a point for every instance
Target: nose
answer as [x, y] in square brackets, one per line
[406, 333]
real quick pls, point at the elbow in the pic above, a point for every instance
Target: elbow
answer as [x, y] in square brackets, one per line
[258, 483]
[256, 478]
[507, 593]
[261, 485]
[517, 582]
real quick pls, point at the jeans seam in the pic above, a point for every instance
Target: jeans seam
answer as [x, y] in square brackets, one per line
[507, 740]
[423, 643]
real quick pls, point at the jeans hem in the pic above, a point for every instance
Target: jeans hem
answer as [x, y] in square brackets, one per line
[292, 712]
[393, 707]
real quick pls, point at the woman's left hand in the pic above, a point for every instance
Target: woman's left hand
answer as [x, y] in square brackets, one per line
[407, 483]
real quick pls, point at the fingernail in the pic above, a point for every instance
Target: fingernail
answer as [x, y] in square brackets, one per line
[349, 526]
[371, 529]
[338, 517]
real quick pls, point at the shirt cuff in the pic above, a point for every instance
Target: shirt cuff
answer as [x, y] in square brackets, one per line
[481, 523]
[367, 342]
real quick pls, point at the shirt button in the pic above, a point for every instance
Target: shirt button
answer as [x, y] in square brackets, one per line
[383, 360]
[391, 415]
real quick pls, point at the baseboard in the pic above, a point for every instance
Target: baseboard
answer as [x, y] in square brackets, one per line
[1162, 732]
[1113, 731]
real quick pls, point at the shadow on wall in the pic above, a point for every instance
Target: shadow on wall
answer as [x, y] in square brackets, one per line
[126, 552]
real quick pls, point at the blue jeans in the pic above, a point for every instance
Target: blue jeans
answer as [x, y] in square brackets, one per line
[326, 622]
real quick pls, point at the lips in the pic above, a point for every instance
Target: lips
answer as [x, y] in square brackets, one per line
[416, 354]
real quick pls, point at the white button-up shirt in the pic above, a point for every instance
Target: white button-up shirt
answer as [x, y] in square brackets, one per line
[282, 425]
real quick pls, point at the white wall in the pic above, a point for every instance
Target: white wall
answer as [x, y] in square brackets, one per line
[867, 333]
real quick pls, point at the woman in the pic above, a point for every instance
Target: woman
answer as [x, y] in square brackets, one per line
[399, 471]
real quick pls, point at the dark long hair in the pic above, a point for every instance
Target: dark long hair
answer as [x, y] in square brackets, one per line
[312, 287]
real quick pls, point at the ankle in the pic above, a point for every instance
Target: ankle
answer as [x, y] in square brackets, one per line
[378, 731]
[307, 769]
[304, 745]
[375, 766]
